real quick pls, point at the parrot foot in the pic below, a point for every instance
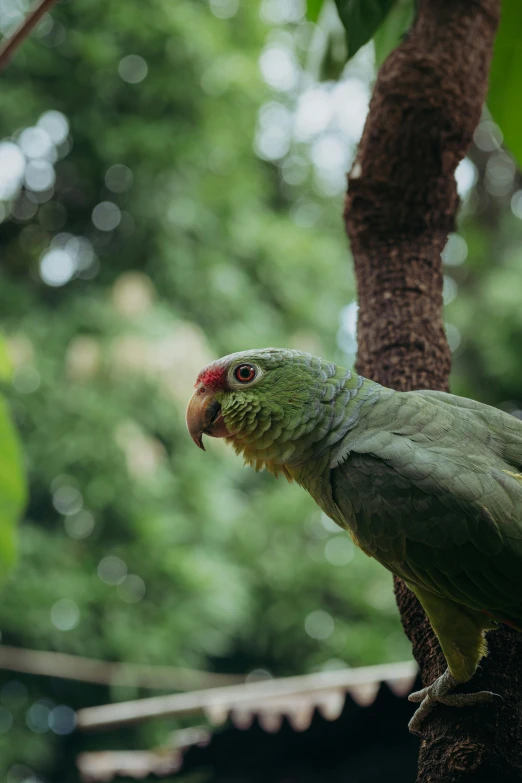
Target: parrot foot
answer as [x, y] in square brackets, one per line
[438, 691]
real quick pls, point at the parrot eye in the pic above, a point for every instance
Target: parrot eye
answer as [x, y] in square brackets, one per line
[245, 373]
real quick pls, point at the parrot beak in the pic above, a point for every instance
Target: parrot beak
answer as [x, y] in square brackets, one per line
[204, 417]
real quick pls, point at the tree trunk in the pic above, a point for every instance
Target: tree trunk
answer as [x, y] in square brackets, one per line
[400, 206]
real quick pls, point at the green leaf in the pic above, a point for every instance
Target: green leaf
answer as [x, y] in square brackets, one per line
[6, 365]
[313, 9]
[12, 488]
[505, 81]
[361, 18]
[389, 34]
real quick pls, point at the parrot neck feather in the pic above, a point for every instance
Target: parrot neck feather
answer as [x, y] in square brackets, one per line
[283, 438]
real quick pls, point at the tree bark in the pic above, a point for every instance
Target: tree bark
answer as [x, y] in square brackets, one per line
[400, 206]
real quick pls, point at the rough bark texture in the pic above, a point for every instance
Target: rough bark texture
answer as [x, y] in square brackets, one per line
[400, 206]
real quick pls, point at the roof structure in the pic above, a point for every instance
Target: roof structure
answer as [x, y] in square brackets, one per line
[272, 721]
[105, 765]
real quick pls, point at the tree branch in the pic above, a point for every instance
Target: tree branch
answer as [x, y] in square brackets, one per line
[400, 206]
[11, 44]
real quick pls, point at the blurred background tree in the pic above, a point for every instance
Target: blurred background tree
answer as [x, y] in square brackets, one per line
[171, 190]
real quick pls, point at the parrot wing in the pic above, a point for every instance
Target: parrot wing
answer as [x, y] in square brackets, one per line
[435, 500]
[500, 429]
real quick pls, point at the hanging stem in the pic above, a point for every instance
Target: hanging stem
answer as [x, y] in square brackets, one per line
[11, 44]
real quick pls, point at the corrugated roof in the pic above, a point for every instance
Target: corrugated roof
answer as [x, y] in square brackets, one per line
[268, 702]
[294, 697]
[104, 766]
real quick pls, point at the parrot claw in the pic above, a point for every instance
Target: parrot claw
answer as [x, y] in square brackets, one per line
[438, 691]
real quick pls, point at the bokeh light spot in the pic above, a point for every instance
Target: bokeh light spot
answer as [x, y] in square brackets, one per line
[112, 570]
[79, 525]
[516, 204]
[465, 176]
[274, 131]
[488, 136]
[132, 69]
[319, 625]
[26, 380]
[12, 167]
[57, 267]
[350, 101]
[35, 142]
[329, 525]
[339, 550]
[449, 290]
[313, 114]
[65, 614]
[456, 250]
[37, 717]
[305, 213]
[133, 293]
[132, 589]
[62, 720]
[224, 9]
[500, 173]
[118, 178]
[55, 124]
[452, 336]
[39, 175]
[106, 216]
[295, 170]
[282, 11]
[23, 208]
[67, 500]
[330, 153]
[279, 68]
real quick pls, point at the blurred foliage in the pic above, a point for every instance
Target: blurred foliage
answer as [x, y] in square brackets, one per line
[172, 191]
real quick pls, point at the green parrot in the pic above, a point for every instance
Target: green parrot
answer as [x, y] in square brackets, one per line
[427, 483]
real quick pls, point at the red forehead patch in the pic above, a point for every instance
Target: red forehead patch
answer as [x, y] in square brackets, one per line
[214, 378]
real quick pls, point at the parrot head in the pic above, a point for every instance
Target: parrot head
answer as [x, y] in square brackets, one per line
[267, 403]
